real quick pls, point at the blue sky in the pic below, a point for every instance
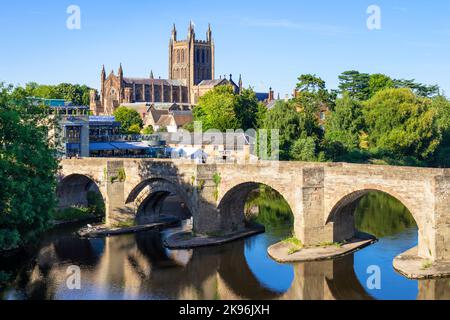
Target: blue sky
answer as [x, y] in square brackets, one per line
[269, 42]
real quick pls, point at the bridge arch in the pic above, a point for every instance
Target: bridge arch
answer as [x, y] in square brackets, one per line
[73, 190]
[232, 203]
[341, 216]
[149, 195]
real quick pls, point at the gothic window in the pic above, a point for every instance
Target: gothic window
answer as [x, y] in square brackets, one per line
[197, 56]
[203, 56]
[178, 56]
[182, 56]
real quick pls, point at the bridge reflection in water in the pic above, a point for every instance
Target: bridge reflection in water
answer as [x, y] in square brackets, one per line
[139, 267]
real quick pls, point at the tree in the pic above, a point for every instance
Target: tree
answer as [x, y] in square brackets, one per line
[28, 168]
[402, 124]
[356, 84]
[77, 94]
[442, 108]
[345, 123]
[310, 83]
[246, 109]
[128, 118]
[286, 119]
[134, 129]
[304, 149]
[222, 109]
[148, 130]
[378, 82]
[418, 88]
[216, 109]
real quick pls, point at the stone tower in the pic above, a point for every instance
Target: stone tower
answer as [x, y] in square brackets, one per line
[191, 61]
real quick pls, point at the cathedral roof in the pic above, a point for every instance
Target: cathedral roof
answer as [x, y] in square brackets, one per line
[150, 81]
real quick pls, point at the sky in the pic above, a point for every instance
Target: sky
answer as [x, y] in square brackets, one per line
[269, 42]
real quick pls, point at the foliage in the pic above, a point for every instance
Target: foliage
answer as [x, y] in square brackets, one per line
[222, 109]
[28, 168]
[130, 119]
[287, 120]
[381, 215]
[402, 124]
[75, 93]
[96, 203]
[378, 82]
[345, 123]
[355, 83]
[304, 149]
[273, 210]
[148, 130]
[72, 213]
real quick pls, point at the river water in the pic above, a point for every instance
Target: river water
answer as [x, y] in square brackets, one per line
[139, 267]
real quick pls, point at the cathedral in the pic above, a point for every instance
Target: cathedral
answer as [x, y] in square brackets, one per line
[191, 75]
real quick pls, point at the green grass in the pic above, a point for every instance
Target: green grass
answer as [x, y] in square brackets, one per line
[426, 265]
[329, 244]
[294, 241]
[295, 245]
[293, 250]
[125, 224]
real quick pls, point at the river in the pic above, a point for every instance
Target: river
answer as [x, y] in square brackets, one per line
[139, 267]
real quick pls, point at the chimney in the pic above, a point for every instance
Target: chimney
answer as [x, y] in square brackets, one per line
[271, 95]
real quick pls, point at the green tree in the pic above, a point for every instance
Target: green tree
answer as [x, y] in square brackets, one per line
[246, 109]
[418, 88]
[148, 130]
[378, 82]
[222, 109]
[310, 83]
[134, 129]
[216, 109]
[442, 108]
[345, 123]
[284, 117]
[356, 84]
[28, 169]
[304, 149]
[77, 94]
[129, 119]
[402, 124]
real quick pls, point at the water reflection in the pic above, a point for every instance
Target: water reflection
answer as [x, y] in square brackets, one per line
[139, 267]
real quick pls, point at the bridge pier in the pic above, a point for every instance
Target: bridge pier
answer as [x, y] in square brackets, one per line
[117, 210]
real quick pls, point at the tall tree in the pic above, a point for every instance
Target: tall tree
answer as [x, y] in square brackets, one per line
[285, 118]
[378, 82]
[345, 123]
[402, 124]
[355, 83]
[28, 169]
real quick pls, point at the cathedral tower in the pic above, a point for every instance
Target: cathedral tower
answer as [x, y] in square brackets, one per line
[191, 61]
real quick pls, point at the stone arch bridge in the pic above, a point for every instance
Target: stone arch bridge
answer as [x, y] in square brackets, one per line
[322, 196]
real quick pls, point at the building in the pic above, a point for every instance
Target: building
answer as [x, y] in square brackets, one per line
[70, 132]
[215, 147]
[191, 75]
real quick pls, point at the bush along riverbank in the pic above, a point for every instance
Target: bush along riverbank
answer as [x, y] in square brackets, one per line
[95, 211]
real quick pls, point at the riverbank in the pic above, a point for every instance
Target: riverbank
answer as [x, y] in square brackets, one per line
[189, 240]
[290, 252]
[410, 265]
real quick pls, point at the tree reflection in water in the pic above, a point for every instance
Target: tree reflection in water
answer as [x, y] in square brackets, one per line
[139, 267]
